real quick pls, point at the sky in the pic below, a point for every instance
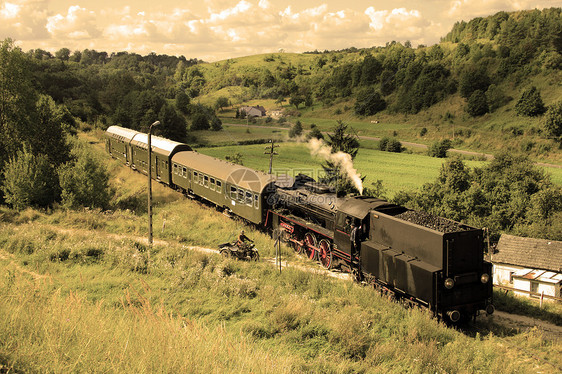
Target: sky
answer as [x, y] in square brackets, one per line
[213, 30]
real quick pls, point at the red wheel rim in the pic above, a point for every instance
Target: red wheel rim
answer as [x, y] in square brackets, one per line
[310, 243]
[325, 254]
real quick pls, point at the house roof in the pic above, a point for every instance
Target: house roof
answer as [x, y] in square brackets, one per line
[529, 253]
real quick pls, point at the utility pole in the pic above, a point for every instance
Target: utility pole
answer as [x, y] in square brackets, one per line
[269, 150]
[150, 182]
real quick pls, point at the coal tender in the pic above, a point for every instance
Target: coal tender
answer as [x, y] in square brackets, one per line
[424, 259]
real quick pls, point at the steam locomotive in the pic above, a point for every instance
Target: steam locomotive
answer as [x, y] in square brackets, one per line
[417, 258]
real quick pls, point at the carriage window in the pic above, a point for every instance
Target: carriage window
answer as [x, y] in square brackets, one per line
[195, 176]
[241, 196]
[256, 201]
[206, 179]
[189, 174]
[233, 193]
[219, 186]
[201, 179]
[249, 198]
[175, 169]
[213, 184]
[184, 171]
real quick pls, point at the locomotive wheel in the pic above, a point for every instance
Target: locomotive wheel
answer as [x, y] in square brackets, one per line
[309, 245]
[325, 253]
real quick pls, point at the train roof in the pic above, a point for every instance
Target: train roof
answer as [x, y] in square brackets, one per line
[159, 144]
[123, 132]
[359, 206]
[244, 177]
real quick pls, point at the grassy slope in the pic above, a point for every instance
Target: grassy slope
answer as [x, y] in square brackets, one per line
[81, 292]
[489, 133]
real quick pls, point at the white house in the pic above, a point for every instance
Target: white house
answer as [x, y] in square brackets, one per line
[528, 264]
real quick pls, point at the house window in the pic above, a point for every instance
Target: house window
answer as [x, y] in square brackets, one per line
[233, 193]
[534, 288]
[511, 276]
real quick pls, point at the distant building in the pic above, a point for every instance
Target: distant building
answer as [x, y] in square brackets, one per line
[253, 111]
[528, 264]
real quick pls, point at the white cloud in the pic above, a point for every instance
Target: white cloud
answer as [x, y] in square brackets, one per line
[23, 19]
[78, 23]
[468, 9]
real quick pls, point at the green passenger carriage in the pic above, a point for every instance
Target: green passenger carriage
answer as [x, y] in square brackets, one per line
[118, 143]
[236, 188]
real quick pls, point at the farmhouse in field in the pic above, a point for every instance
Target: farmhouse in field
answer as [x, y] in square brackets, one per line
[253, 111]
[532, 266]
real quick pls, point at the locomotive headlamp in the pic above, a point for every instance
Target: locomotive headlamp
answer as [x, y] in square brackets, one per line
[449, 283]
[484, 278]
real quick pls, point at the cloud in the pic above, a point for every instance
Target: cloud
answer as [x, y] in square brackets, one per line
[23, 19]
[467, 9]
[78, 23]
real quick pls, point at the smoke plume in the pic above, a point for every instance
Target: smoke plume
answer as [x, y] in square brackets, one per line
[341, 159]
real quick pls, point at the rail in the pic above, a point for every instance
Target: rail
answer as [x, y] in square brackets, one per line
[536, 294]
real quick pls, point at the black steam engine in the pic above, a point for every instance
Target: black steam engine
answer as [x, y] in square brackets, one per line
[414, 257]
[417, 258]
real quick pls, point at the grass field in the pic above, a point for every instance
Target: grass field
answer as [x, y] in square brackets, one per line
[82, 292]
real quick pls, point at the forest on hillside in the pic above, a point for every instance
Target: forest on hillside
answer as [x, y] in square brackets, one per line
[45, 97]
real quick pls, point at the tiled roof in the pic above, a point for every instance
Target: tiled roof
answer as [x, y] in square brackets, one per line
[529, 253]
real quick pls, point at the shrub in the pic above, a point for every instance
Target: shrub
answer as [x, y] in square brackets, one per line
[84, 182]
[296, 130]
[553, 120]
[29, 180]
[423, 131]
[369, 102]
[477, 104]
[530, 103]
[390, 145]
[199, 122]
[439, 148]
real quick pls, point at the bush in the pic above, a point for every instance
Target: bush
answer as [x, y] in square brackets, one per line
[296, 130]
[390, 145]
[439, 148]
[423, 131]
[530, 103]
[369, 102]
[477, 104]
[553, 120]
[29, 180]
[84, 182]
[199, 122]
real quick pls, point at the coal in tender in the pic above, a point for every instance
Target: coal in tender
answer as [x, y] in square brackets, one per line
[432, 222]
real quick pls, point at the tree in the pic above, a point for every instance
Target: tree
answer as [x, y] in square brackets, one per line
[63, 54]
[84, 181]
[173, 125]
[216, 124]
[369, 102]
[296, 100]
[182, 102]
[314, 133]
[471, 79]
[296, 130]
[340, 174]
[199, 121]
[17, 100]
[29, 180]
[390, 145]
[553, 120]
[530, 103]
[222, 102]
[439, 148]
[49, 137]
[477, 104]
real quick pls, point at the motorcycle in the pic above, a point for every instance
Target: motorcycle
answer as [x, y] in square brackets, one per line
[245, 252]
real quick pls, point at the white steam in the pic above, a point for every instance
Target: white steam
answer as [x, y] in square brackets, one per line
[340, 159]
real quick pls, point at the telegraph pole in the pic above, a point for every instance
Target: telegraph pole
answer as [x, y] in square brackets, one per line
[150, 182]
[269, 150]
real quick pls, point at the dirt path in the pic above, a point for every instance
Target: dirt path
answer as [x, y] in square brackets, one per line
[525, 323]
[487, 156]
